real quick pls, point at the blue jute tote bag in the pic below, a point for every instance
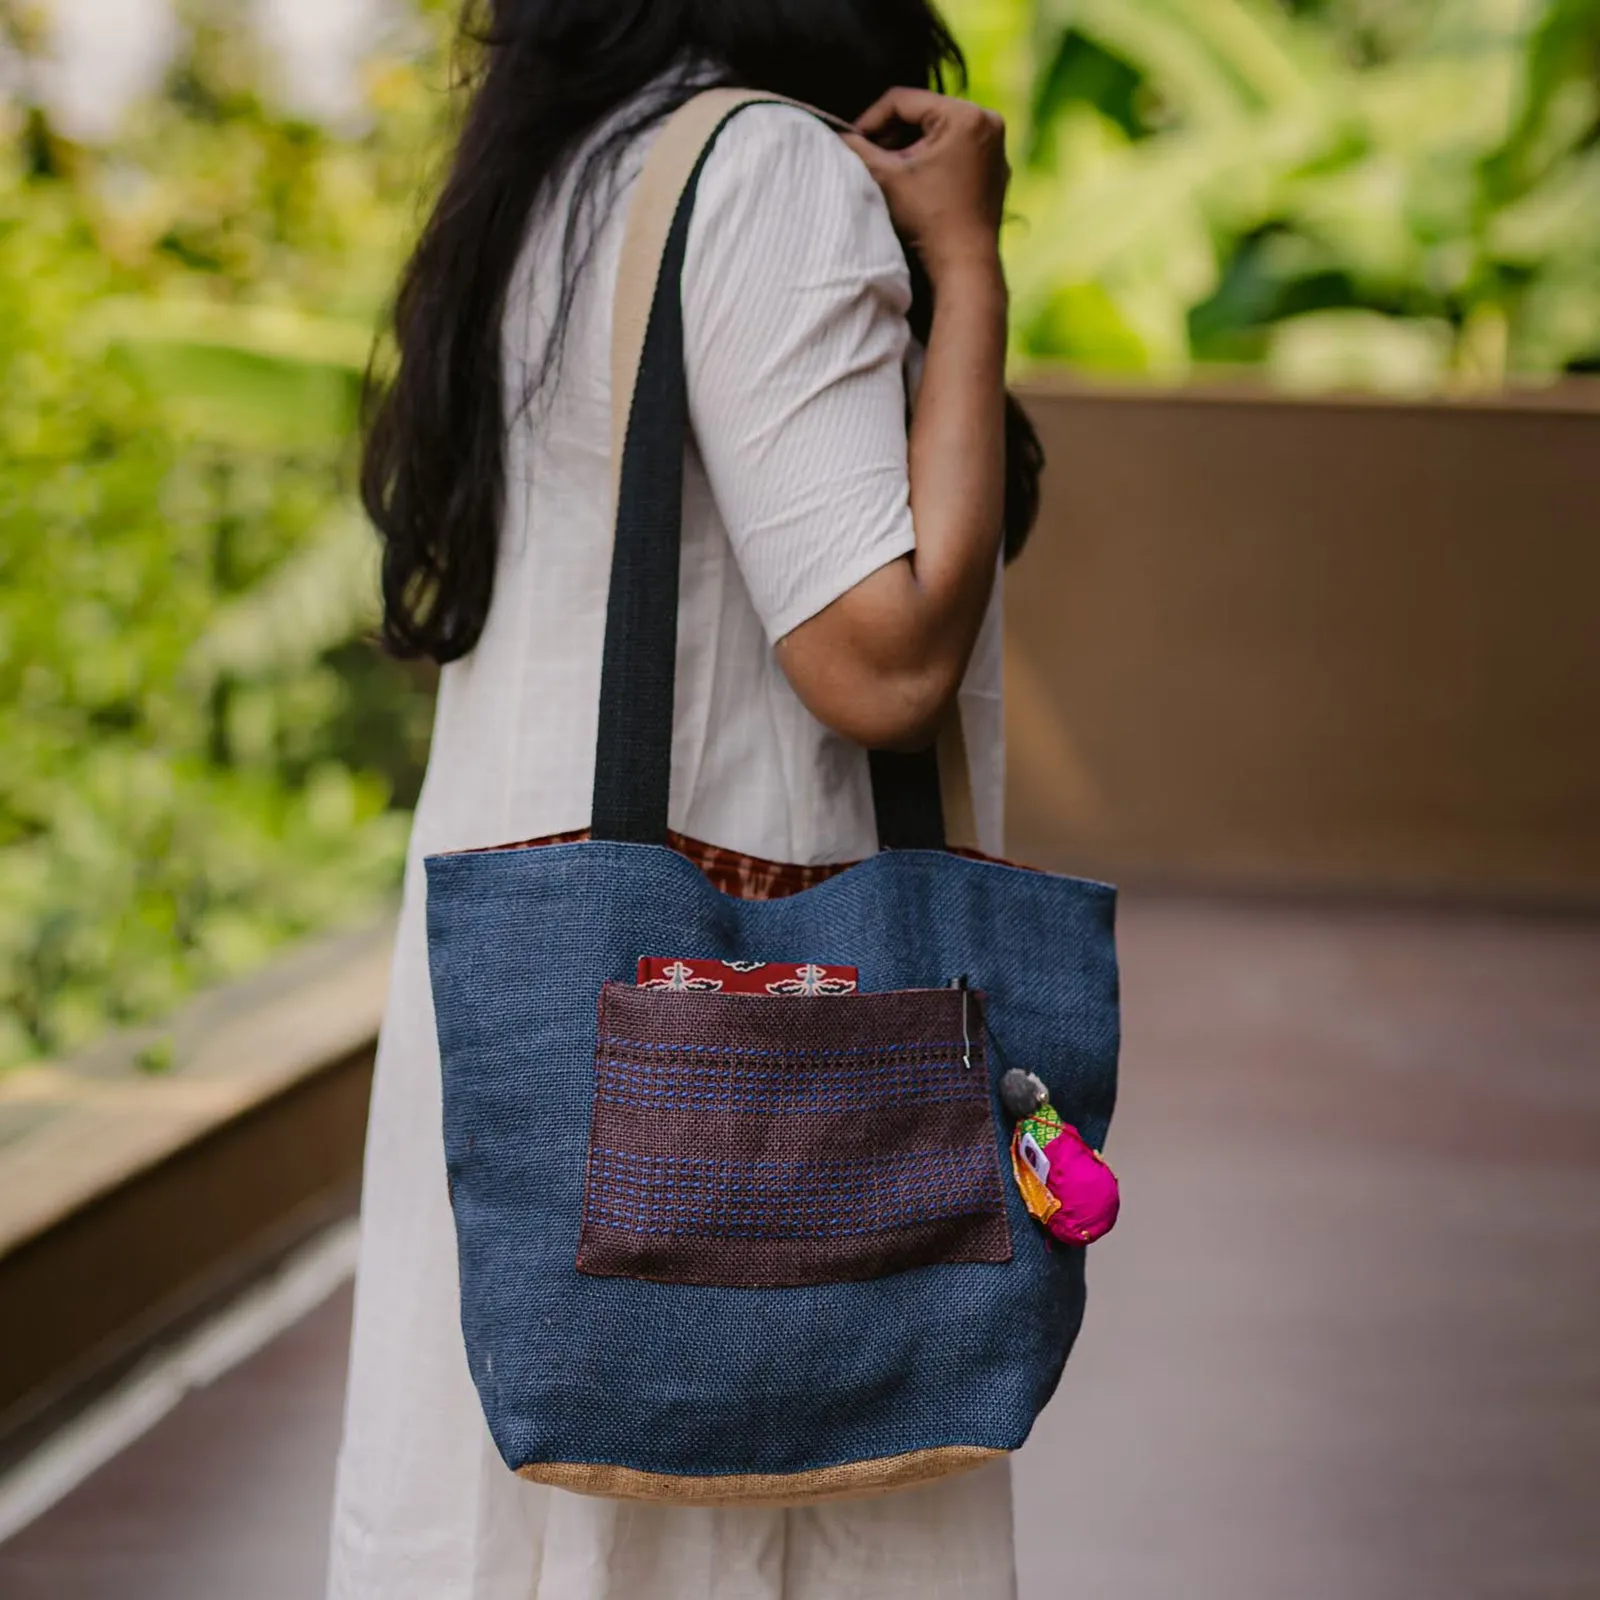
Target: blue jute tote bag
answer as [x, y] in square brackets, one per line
[725, 1248]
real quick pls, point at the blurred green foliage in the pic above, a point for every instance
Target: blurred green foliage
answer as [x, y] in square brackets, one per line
[1400, 194]
[202, 755]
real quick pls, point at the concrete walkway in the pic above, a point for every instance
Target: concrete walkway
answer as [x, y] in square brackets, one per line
[1345, 1344]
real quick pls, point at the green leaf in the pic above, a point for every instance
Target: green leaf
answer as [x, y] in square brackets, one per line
[1217, 61]
[321, 596]
[1561, 65]
[258, 377]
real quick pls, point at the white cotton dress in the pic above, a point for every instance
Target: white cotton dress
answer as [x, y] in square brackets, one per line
[796, 343]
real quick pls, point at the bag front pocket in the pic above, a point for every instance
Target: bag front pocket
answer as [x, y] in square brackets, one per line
[753, 1142]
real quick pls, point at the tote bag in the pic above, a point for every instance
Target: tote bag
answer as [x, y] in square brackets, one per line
[724, 1248]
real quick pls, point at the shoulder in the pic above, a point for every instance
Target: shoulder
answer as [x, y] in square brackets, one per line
[779, 172]
[761, 137]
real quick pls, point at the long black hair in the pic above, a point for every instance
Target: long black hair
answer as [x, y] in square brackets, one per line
[543, 75]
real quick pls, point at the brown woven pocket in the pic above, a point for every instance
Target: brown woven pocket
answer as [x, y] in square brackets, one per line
[746, 1141]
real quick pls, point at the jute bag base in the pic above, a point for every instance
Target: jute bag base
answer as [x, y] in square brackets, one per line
[855, 1480]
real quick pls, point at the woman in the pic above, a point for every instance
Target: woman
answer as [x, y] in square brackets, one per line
[837, 581]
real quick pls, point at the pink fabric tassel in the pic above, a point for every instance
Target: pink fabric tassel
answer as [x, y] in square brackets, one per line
[1086, 1187]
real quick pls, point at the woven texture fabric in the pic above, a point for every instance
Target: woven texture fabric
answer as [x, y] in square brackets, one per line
[710, 1381]
[745, 876]
[759, 1142]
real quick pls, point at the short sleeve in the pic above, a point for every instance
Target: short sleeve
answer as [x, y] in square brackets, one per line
[795, 301]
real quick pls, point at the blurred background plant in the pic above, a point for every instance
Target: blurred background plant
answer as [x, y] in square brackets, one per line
[203, 757]
[1391, 194]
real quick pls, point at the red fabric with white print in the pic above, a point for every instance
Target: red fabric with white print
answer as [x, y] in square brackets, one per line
[746, 977]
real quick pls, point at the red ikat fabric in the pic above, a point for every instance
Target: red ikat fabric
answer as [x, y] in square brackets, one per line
[745, 977]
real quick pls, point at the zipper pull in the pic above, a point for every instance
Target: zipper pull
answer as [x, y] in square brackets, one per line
[965, 987]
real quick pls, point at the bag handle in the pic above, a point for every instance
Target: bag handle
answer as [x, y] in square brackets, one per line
[650, 422]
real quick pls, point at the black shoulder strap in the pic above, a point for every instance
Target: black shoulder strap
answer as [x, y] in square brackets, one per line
[633, 759]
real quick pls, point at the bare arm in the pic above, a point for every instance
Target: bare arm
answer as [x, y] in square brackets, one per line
[880, 665]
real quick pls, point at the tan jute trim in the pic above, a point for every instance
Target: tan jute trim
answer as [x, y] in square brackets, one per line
[854, 1481]
[651, 208]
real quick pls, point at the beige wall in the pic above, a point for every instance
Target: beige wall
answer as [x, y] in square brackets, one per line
[1324, 645]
